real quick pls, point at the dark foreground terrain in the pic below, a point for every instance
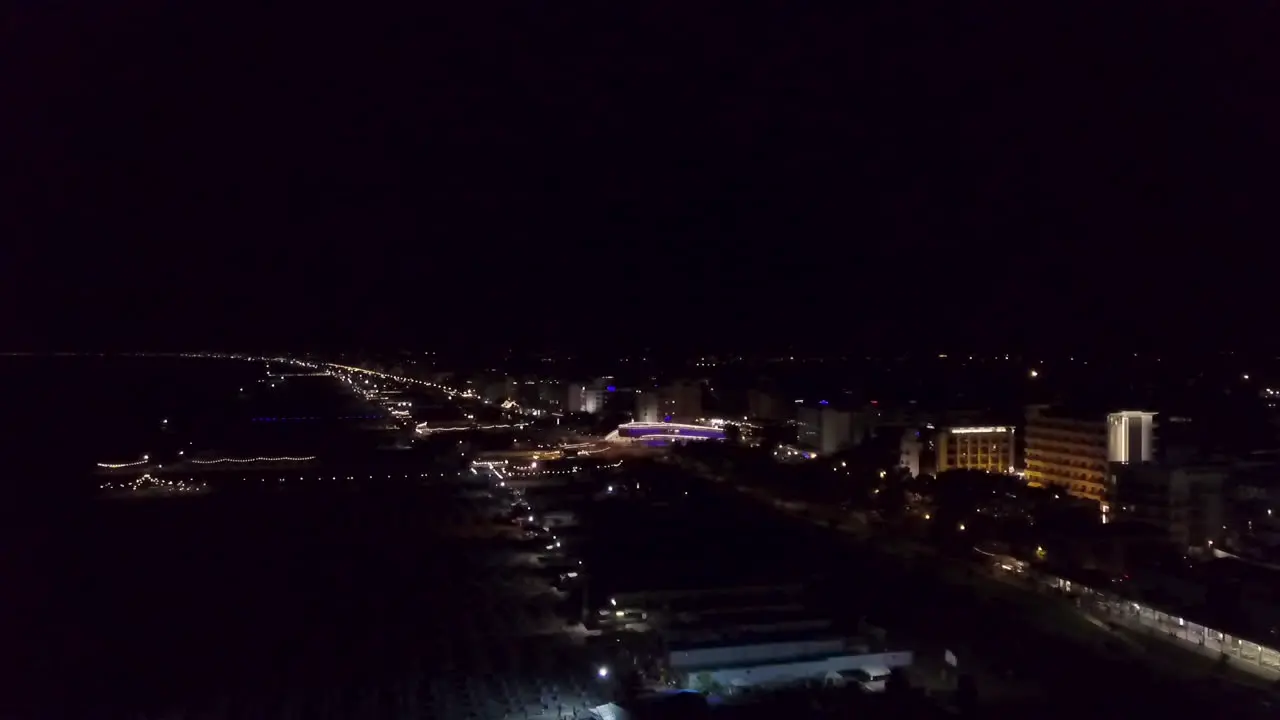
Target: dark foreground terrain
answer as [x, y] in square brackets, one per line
[232, 605]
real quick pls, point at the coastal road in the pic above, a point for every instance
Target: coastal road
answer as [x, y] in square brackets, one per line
[1017, 643]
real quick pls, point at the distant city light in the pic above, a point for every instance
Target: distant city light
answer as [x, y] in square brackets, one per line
[283, 458]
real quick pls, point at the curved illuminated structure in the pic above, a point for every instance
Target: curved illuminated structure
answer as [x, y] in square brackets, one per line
[663, 433]
[427, 428]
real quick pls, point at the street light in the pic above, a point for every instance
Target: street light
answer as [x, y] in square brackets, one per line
[602, 672]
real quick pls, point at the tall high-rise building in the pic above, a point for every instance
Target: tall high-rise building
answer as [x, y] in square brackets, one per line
[910, 450]
[825, 428]
[1073, 451]
[1131, 436]
[1068, 452]
[677, 402]
[686, 400]
[589, 397]
[1185, 501]
[648, 407]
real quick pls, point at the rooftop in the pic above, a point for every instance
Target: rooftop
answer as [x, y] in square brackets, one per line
[748, 638]
[814, 657]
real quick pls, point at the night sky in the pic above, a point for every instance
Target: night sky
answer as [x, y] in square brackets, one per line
[876, 175]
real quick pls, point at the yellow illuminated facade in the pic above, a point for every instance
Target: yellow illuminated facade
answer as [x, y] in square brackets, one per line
[1067, 453]
[988, 449]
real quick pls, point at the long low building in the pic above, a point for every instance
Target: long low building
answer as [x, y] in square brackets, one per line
[702, 655]
[776, 657]
[725, 678]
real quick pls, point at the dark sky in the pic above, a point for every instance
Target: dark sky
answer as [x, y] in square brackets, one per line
[873, 174]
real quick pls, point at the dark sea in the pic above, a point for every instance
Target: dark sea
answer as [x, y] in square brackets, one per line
[63, 414]
[217, 605]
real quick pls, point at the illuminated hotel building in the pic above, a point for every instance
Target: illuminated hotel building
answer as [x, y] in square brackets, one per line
[1073, 452]
[1131, 436]
[986, 448]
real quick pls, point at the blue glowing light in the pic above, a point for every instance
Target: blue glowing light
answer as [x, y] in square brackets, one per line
[611, 388]
[823, 402]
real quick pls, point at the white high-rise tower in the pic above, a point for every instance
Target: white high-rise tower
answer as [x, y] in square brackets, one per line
[1131, 436]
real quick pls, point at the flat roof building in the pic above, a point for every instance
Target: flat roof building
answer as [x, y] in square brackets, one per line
[988, 448]
[1067, 451]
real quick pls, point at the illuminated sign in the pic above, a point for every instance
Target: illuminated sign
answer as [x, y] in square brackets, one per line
[975, 430]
